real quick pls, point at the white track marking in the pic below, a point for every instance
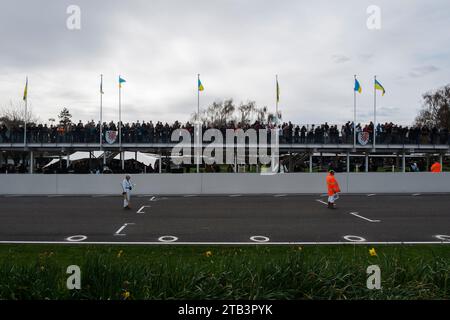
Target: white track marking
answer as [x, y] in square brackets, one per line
[117, 233]
[354, 238]
[152, 199]
[228, 243]
[167, 239]
[76, 238]
[416, 194]
[371, 194]
[140, 210]
[259, 239]
[443, 237]
[318, 200]
[357, 215]
[280, 195]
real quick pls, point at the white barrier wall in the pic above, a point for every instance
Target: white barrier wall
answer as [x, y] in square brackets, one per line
[398, 182]
[254, 183]
[28, 184]
[223, 183]
[145, 184]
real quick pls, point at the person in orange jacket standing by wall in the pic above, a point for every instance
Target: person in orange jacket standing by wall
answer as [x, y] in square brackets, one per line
[436, 167]
[333, 190]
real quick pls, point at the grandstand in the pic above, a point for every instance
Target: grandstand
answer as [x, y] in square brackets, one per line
[146, 148]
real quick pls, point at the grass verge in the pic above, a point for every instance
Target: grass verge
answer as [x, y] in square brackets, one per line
[224, 272]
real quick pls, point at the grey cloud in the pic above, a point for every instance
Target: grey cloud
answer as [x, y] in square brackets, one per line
[340, 58]
[381, 112]
[388, 111]
[34, 33]
[422, 71]
[237, 46]
[365, 57]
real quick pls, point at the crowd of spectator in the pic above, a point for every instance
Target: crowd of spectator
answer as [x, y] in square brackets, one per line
[149, 132]
[94, 166]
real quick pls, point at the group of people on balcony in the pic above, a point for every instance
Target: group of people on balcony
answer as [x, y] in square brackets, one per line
[149, 132]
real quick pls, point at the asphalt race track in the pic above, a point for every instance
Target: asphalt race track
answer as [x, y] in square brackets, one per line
[226, 219]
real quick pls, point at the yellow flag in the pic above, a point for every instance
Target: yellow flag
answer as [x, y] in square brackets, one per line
[278, 92]
[25, 92]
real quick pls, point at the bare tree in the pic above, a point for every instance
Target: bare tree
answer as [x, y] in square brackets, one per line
[262, 114]
[246, 111]
[228, 110]
[221, 113]
[436, 109]
[14, 115]
[217, 114]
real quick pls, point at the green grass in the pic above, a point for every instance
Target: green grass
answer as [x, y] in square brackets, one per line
[246, 272]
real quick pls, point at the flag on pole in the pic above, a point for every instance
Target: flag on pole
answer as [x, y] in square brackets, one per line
[357, 86]
[25, 91]
[121, 80]
[200, 86]
[378, 86]
[278, 91]
[101, 86]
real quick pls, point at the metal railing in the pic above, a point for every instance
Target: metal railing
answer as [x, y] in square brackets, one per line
[312, 135]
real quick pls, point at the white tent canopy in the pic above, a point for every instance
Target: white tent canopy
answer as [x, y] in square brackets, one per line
[79, 155]
[144, 158]
[141, 157]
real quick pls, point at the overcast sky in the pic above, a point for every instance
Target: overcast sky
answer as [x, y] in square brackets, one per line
[315, 47]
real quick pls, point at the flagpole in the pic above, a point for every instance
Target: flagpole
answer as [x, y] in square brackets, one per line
[101, 110]
[25, 118]
[198, 123]
[198, 97]
[25, 121]
[120, 115]
[277, 168]
[374, 111]
[354, 116]
[120, 125]
[276, 98]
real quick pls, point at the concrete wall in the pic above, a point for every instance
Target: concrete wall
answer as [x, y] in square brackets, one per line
[28, 184]
[223, 183]
[398, 182]
[254, 183]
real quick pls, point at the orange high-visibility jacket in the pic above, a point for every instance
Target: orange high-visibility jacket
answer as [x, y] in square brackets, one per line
[436, 167]
[332, 184]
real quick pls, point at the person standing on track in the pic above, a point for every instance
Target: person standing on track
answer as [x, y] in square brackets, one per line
[333, 189]
[126, 192]
[436, 167]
